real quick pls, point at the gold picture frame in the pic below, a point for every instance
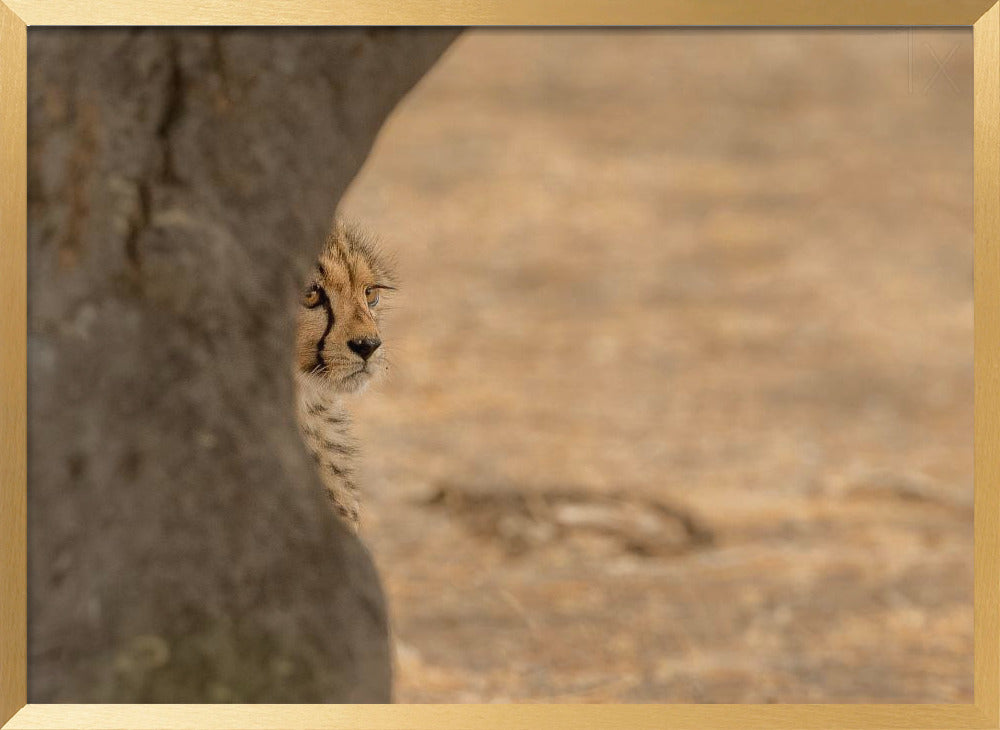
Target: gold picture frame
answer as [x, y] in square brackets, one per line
[15, 17]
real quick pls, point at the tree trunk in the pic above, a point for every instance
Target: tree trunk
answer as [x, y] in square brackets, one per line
[180, 183]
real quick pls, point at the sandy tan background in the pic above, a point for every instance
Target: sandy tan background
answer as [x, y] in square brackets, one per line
[681, 407]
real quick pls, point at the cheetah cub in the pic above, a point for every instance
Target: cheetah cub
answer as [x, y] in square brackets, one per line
[338, 352]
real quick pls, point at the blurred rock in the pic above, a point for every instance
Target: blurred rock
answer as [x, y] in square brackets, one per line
[179, 184]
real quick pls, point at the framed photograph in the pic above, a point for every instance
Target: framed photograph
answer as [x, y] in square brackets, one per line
[500, 365]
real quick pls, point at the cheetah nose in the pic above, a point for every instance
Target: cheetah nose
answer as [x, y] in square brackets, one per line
[365, 346]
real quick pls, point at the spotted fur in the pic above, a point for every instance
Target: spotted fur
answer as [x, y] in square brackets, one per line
[340, 306]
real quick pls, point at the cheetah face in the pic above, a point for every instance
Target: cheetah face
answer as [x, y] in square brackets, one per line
[338, 342]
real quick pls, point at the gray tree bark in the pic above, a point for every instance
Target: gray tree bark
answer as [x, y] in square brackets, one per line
[180, 182]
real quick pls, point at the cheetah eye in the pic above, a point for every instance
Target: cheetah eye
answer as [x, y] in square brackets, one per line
[314, 296]
[371, 294]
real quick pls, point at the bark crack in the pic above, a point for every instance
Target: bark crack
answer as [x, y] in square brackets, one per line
[173, 107]
[139, 223]
[221, 68]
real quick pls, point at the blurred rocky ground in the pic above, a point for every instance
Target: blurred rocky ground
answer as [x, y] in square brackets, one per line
[681, 407]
